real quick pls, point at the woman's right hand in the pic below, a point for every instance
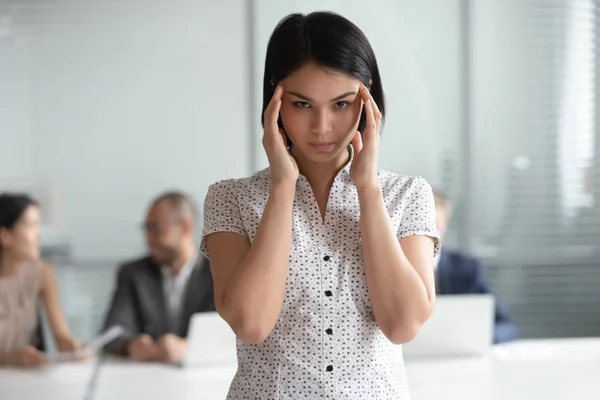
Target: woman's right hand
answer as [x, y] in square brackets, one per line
[283, 166]
[27, 356]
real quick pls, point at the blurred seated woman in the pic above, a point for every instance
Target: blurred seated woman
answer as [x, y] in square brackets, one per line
[25, 279]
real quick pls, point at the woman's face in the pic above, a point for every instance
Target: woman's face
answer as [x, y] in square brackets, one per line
[320, 111]
[23, 240]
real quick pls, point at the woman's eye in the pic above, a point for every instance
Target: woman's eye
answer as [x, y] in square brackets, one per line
[302, 104]
[342, 104]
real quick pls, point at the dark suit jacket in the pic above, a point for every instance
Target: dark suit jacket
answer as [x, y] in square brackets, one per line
[139, 305]
[461, 274]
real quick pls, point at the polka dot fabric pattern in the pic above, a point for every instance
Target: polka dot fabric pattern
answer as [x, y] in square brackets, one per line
[326, 343]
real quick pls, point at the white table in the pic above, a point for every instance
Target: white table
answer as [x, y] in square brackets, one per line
[540, 369]
[64, 381]
[120, 379]
[536, 369]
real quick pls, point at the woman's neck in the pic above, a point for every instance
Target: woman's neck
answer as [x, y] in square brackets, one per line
[9, 265]
[321, 175]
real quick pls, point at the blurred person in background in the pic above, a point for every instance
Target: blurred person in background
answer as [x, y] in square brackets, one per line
[156, 296]
[458, 273]
[25, 279]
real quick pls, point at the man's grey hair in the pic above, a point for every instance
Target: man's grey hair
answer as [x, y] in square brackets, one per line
[181, 204]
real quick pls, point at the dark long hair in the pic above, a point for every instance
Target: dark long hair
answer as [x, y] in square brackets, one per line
[327, 39]
[12, 207]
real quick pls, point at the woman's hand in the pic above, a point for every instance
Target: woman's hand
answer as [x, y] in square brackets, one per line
[283, 166]
[27, 356]
[74, 346]
[365, 165]
[68, 344]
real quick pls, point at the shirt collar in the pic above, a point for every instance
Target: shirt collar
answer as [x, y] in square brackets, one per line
[184, 272]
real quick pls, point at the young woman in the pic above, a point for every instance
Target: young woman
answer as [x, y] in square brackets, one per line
[24, 279]
[322, 263]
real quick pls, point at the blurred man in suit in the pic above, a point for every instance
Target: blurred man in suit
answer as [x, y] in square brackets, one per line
[156, 296]
[458, 273]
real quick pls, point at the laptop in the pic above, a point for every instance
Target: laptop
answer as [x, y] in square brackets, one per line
[461, 325]
[211, 342]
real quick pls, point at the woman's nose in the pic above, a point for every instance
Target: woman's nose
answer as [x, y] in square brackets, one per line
[321, 122]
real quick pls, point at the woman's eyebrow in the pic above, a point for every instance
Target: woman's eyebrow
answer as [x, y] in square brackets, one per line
[306, 98]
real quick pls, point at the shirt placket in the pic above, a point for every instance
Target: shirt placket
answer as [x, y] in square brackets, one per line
[330, 296]
[330, 261]
[325, 256]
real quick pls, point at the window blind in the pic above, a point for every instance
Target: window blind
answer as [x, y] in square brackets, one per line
[535, 177]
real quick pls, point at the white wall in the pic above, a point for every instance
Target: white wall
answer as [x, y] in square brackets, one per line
[16, 158]
[128, 100]
[419, 50]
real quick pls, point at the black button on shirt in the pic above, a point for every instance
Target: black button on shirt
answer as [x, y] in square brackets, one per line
[329, 368]
[328, 293]
[329, 331]
[326, 258]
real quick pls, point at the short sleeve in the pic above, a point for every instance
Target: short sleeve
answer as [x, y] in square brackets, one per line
[418, 215]
[221, 212]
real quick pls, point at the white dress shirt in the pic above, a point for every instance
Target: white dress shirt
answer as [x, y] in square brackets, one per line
[174, 288]
[326, 343]
[436, 261]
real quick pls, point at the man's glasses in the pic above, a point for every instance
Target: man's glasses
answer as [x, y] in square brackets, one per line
[156, 227]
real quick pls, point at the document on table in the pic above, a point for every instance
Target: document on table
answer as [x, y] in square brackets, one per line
[95, 345]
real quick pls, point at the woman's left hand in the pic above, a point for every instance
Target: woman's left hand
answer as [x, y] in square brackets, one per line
[68, 344]
[74, 346]
[365, 165]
